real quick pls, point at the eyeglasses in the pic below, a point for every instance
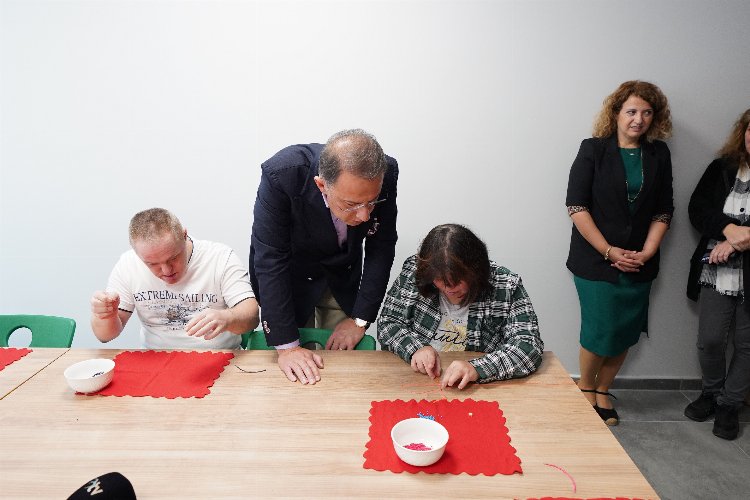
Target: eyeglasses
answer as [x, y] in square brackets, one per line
[370, 205]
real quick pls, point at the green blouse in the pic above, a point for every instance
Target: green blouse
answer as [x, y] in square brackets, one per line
[633, 161]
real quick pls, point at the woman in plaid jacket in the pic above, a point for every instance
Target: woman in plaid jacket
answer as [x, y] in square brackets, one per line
[451, 297]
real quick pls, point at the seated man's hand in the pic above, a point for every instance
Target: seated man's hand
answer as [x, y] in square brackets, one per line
[301, 364]
[104, 305]
[426, 360]
[208, 323]
[345, 336]
[462, 372]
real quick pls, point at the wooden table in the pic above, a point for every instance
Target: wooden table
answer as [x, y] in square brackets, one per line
[22, 370]
[259, 436]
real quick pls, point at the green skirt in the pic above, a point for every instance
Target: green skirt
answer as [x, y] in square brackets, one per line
[613, 315]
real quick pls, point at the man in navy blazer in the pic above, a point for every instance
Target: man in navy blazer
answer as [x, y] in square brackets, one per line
[316, 209]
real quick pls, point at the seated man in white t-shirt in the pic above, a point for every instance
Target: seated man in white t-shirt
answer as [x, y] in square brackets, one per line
[188, 293]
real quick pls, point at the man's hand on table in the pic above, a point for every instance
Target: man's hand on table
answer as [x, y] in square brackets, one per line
[345, 336]
[301, 364]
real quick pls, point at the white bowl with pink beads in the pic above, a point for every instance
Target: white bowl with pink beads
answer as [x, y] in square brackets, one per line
[419, 441]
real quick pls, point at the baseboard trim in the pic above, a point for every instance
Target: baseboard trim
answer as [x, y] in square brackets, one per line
[657, 384]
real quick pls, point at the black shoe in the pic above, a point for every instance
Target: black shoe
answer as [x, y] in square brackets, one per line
[702, 408]
[609, 415]
[727, 422]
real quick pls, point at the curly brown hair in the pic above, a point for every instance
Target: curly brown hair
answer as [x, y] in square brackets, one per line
[734, 148]
[605, 124]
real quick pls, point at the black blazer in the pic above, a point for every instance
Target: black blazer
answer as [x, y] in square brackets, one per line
[597, 181]
[706, 212]
[294, 251]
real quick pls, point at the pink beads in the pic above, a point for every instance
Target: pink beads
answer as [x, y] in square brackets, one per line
[417, 447]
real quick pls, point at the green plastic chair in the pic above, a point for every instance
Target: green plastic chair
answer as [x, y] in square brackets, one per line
[257, 340]
[46, 331]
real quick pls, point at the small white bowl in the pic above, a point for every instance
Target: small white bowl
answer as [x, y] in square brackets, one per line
[419, 431]
[91, 375]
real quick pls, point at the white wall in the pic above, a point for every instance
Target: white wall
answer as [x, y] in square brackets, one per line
[108, 108]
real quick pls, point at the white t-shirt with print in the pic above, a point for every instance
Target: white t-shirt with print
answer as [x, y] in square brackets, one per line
[451, 332]
[214, 277]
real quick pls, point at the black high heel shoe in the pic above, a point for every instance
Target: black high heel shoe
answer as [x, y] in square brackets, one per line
[609, 415]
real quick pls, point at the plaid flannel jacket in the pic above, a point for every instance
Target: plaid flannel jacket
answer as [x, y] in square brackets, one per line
[503, 324]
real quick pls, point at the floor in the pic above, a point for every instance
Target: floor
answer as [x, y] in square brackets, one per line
[682, 459]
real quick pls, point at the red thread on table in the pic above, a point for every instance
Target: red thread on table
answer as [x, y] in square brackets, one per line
[566, 473]
[431, 391]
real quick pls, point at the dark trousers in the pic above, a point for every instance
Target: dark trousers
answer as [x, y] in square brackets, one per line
[717, 314]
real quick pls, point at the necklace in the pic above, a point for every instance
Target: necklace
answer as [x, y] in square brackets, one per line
[627, 189]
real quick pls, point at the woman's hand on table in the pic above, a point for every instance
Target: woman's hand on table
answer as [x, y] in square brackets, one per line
[301, 364]
[426, 360]
[462, 372]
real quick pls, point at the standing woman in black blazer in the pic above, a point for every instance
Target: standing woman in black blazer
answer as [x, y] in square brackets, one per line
[620, 201]
[720, 273]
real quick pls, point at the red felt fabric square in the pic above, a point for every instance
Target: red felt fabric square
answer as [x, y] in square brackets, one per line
[478, 440]
[166, 374]
[9, 355]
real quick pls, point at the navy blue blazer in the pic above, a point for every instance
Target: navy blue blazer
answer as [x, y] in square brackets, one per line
[294, 250]
[597, 181]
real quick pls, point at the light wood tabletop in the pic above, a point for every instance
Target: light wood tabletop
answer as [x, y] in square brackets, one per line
[256, 435]
[20, 371]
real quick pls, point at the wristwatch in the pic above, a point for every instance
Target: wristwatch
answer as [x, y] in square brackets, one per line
[361, 323]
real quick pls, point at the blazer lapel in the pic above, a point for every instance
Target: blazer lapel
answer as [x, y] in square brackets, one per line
[729, 175]
[613, 160]
[317, 216]
[650, 165]
[358, 233]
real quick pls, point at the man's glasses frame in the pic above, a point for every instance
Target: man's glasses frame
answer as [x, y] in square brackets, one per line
[370, 205]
